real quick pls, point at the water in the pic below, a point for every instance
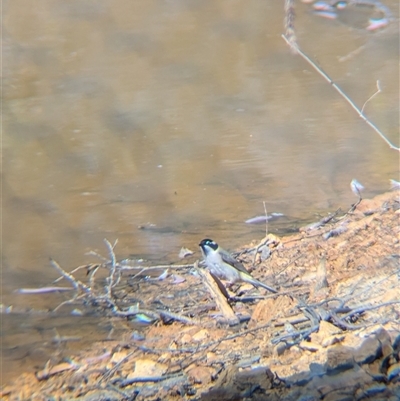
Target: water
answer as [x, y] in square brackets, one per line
[182, 117]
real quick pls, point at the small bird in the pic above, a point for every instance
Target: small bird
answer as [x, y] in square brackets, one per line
[225, 266]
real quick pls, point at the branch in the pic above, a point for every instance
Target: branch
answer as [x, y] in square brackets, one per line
[345, 97]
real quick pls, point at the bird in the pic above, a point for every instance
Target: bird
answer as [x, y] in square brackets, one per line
[223, 265]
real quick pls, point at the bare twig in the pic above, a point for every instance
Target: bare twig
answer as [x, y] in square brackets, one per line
[178, 318]
[43, 290]
[371, 97]
[113, 267]
[153, 379]
[111, 371]
[337, 88]
[363, 309]
[72, 272]
[156, 267]
[78, 285]
[92, 274]
[266, 219]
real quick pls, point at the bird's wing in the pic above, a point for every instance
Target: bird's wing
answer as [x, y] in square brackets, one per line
[228, 258]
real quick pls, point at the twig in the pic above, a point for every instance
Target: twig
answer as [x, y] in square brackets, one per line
[111, 371]
[371, 97]
[266, 219]
[42, 290]
[337, 88]
[290, 263]
[154, 379]
[91, 275]
[76, 283]
[69, 301]
[157, 267]
[71, 272]
[113, 267]
[300, 333]
[363, 309]
[93, 253]
[178, 317]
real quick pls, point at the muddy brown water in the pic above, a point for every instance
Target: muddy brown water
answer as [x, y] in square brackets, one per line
[160, 123]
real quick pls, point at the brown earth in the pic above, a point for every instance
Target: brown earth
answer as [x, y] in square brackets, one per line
[332, 333]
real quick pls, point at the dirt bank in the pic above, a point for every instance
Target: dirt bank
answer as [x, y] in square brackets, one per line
[332, 332]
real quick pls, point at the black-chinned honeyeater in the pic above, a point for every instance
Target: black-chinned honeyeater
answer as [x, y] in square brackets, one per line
[223, 265]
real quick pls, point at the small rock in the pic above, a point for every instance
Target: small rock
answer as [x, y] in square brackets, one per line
[310, 346]
[326, 330]
[211, 357]
[331, 340]
[201, 374]
[186, 339]
[147, 368]
[280, 348]
[117, 357]
[339, 359]
[368, 351]
[344, 382]
[267, 309]
[200, 336]
[296, 350]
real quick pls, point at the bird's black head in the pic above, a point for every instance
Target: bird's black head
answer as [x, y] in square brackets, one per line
[208, 243]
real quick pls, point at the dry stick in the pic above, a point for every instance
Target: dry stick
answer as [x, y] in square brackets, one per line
[266, 218]
[121, 393]
[93, 253]
[219, 299]
[367, 308]
[76, 283]
[112, 370]
[327, 78]
[107, 297]
[156, 315]
[371, 97]
[177, 317]
[113, 266]
[144, 268]
[288, 264]
[154, 379]
[91, 275]
[266, 234]
[71, 272]
[69, 301]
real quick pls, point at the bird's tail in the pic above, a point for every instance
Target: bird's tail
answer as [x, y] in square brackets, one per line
[256, 283]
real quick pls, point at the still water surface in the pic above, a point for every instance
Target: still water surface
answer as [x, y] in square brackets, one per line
[181, 117]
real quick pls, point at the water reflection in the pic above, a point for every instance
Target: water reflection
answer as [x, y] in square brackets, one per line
[30, 341]
[180, 115]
